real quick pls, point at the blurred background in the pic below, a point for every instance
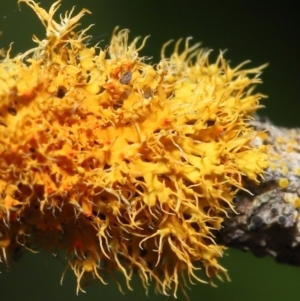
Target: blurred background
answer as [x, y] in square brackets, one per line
[263, 31]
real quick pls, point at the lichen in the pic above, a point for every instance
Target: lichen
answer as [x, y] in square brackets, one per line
[124, 165]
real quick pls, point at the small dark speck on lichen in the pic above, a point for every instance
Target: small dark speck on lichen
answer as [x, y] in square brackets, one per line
[281, 220]
[274, 211]
[126, 78]
[12, 111]
[256, 222]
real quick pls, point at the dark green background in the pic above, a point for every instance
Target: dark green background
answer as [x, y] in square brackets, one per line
[263, 31]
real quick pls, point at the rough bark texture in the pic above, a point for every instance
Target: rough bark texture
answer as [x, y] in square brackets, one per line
[268, 215]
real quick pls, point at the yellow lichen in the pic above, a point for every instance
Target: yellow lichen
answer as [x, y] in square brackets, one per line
[297, 171]
[124, 165]
[283, 183]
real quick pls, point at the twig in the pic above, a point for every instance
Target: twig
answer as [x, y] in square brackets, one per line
[268, 219]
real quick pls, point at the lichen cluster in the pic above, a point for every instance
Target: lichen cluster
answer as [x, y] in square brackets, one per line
[121, 164]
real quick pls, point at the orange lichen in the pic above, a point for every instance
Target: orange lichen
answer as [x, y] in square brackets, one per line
[124, 165]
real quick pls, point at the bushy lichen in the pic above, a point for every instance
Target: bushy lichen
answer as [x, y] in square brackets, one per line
[124, 165]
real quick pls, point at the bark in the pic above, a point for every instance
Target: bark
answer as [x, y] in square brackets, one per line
[268, 214]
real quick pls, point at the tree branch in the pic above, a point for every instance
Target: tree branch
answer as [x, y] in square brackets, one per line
[268, 214]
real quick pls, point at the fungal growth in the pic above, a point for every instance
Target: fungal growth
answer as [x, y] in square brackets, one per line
[122, 165]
